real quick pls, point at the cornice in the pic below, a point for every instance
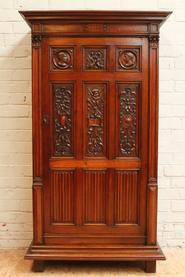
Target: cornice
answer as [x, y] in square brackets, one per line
[95, 16]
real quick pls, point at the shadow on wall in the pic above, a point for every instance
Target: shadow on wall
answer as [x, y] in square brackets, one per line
[15, 141]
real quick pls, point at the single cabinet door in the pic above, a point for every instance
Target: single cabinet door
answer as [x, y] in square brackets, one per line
[95, 139]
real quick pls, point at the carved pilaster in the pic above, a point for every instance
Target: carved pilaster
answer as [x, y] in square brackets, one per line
[152, 192]
[36, 40]
[37, 209]
[154, 40]
[37, 138]
[153, 140]
[152, 181]
[37, 181]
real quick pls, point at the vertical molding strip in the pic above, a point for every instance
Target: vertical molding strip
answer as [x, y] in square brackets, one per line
[153, 140]
[37, 140]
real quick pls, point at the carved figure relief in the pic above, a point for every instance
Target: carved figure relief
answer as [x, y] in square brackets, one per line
[95, 119]
[62, 58]
[128, 119]
[63, 96]
[128, 59]
[95, 59]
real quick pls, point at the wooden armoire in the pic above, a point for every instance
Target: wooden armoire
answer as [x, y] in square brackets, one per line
[95, 133]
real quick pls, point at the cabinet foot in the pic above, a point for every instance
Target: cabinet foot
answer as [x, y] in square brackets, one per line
[150, 266]
[38, 266]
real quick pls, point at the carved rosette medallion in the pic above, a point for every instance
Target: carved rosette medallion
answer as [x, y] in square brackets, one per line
[95, 59]
[95, 119]
[128, 59]
[63, 97]
[62, 58]
[128, 119]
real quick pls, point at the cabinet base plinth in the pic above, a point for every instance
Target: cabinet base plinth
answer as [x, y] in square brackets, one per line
[148, 254]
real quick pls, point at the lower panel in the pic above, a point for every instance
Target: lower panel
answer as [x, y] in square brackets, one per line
[94, 197]
[87, 202]
[126, 208]
[62, 197]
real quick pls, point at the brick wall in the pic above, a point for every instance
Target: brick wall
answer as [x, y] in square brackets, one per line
[15, 117]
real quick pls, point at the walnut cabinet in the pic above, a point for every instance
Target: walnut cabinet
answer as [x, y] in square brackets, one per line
[95, 132]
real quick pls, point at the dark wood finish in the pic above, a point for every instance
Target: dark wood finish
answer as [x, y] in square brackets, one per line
[150, 266]
[38, 266]
[95, 129]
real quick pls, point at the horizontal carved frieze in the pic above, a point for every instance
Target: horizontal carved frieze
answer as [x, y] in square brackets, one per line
[95, 28]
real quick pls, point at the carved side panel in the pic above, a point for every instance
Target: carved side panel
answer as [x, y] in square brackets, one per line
[62, 196]
[94, 196]
[128, 59]
[95, 116]
[126, 197]
[127, 113]
[63, 119]
[94, 58]
[61, 58]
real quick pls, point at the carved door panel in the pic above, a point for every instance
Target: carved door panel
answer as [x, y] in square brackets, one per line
[95, 104]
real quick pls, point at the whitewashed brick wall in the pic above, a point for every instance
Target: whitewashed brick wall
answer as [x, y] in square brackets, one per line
[15, 117]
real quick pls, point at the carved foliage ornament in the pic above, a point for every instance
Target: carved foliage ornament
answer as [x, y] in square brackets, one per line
[36, 40]
[154, 40]
[62, 58]
[95, 59]
[95, 118]
[128, 119]
[63, 119]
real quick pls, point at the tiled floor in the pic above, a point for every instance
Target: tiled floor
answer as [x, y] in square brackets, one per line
[12, 264]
